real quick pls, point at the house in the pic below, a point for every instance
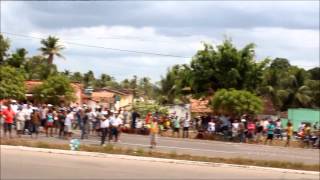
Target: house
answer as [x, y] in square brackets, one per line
[109, 98]
[31, 84]
[200, 107]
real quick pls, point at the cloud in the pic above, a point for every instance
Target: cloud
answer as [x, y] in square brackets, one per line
[279, 29]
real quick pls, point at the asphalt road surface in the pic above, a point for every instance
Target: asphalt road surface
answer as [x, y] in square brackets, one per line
[18, 164]
[211, 148]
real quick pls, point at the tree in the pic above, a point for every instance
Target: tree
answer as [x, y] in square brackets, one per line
[50, 47]
[143, 108]
[76, 77]
[11, 83]
[106, 81]
[37, 67]
[315, 73]
[88, 79]
[55, 89]
[286, 85]
[4, 47]
[18, 58]
[236, 102]
[172, 85]
[225, 67]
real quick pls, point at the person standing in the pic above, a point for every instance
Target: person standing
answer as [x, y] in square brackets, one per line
[186, 126]
[259, 131]
[115, 124]
[134, 117]
[154, 129]
[270, 132]
[68, 124]
[176, 126]
[20, 121]
[49, 123]
[8, 115]
[278, 130]
[289, 131]
[35, 122]
[251, 129]
[61, 120]
[85, 124]
[105, 124]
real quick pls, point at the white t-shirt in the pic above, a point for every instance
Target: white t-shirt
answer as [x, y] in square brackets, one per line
[115, 121]
[186, 123]
[211, 127]
[68, 120]
[105, 123]
[235, 126]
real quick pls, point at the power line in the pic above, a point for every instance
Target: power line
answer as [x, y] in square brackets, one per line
[101, 47]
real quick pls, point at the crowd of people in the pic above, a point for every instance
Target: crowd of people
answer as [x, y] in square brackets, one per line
[62, 121]
[249, 129]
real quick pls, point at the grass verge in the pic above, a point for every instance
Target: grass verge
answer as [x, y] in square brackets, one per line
[111, 149]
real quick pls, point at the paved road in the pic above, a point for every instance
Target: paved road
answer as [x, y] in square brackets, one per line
[18, 164]
[215, 148]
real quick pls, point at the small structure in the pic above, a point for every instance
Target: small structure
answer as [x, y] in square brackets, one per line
[301, 115]
[109, 98]
[180, 110]
[200, 107]
[31, 84]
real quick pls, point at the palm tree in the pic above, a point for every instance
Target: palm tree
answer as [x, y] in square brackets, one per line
[51, 48]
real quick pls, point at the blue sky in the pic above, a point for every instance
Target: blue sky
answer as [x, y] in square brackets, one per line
[279, 29]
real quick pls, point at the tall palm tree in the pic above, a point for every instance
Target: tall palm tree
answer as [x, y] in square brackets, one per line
[50, 47]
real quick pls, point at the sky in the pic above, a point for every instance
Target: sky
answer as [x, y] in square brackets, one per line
[286, 29]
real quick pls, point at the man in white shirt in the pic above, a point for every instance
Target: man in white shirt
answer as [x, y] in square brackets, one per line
[115, 124]
[186, 125]
[104, 125]
[68, 123]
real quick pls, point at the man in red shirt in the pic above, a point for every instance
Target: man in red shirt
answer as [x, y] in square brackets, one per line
[8, 115]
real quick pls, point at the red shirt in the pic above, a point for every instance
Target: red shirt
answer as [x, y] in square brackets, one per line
[251, 127]
[9, 115]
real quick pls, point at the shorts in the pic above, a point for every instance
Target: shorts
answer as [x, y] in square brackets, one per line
[49, 124]
[114, 131]
[153, 137]
[270, 136]
[68, 128]
[20, 125]
[176, 129]
[7, 127]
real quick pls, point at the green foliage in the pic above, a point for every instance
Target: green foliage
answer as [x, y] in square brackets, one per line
[11, 83]
[18, 58]
[4, 47]
[225, 67]
[50, 47]
[144, 107]
[55, 89]
[37, 67]
[288, 86]
[236, 102]
[315, 73]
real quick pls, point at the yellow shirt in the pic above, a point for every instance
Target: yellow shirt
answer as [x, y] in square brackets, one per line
[154, 128]
[289, 131]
